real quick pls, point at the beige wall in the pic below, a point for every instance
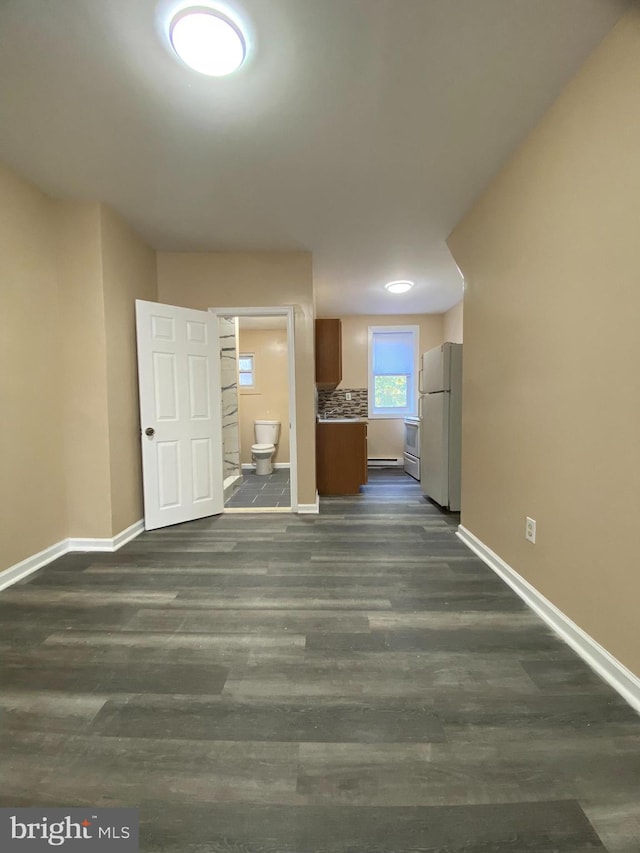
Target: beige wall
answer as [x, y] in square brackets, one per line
[69, 272]
[128, 273]
[270, 398]
[386, 436]
[83, 375]
[256, 279]
[69, 275]
[453, 324]
[32, 493]
[102, 268]
[550, 255]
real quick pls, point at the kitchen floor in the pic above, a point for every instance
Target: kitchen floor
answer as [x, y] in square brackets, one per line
[263, 491]
[352, 682]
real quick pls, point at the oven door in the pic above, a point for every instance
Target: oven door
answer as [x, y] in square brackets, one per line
[412, 437]
[412, 465]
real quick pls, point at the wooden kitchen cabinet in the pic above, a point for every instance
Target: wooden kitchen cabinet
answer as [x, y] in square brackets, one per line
[341, 457]
[328, 354]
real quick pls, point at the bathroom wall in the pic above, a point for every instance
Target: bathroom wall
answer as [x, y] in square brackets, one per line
[269, 398]
[227, 330]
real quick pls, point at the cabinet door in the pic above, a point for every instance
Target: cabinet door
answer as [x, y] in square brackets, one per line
[328, 353]
[365, 454]
[340, 458]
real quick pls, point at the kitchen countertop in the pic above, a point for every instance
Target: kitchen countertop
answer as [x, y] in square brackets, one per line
[342, 420]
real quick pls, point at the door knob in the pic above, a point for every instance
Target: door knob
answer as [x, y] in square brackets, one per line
[149, 431]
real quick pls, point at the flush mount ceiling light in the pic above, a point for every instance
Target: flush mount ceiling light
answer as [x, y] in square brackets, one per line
[207, 41]
[398, 286]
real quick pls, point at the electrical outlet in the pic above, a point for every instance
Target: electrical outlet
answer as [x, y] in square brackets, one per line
[530, 530]
[347, 395]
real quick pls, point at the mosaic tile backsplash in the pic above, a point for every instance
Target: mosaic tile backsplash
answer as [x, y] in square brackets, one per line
[335, 403]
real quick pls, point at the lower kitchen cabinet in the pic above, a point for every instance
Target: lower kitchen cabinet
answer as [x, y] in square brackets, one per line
[341, 457]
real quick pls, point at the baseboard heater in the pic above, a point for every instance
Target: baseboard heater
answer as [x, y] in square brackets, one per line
[385, 462]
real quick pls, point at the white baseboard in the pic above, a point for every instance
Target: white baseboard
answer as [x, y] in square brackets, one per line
[599, 659]
[128, 534]
[256, 510]
[25, 567]
[250, 466]
[21, 570]
[310, 509]
[229, 483]
[107, 544]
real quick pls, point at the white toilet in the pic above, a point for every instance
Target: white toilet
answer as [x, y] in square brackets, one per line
[267, 434]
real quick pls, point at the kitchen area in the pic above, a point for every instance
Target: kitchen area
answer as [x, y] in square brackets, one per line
[350, 440]
[342, 419]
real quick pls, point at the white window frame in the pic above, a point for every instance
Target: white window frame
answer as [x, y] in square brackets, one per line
[412, 408]
[252, 356]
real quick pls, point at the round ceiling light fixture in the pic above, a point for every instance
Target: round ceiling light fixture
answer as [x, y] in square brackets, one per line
[207, 41]
[400, 286]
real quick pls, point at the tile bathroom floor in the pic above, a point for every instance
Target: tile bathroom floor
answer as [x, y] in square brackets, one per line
[272, 490]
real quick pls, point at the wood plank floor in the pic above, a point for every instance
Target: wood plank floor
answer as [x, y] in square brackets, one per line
[353, 682]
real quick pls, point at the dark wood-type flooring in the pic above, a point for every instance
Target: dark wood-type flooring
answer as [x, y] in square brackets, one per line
[353, 682]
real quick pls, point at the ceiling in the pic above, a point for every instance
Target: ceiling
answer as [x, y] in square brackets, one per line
[360, 130]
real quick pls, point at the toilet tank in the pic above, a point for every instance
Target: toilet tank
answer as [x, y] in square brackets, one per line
[267, 432]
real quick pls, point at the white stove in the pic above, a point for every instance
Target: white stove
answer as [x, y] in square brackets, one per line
[412, 447]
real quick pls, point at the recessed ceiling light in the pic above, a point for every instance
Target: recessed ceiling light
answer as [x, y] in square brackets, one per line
[207, 41]
[398, 286]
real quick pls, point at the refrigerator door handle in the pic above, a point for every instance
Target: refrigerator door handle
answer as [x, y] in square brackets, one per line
[420, 407]
[420, 388]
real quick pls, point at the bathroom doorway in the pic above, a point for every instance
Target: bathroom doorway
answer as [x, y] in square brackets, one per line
[258, 409]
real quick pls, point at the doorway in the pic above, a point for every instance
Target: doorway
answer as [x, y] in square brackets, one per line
[257, 382]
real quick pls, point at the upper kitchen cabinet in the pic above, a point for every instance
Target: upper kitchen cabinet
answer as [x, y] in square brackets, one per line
[328, 354]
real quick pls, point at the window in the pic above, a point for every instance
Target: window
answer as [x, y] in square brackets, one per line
[246, 370]
[393, 371]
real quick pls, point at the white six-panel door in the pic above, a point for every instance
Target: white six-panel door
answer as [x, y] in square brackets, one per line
[180, 410]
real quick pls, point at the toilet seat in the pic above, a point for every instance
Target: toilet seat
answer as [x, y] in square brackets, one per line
[263, 448]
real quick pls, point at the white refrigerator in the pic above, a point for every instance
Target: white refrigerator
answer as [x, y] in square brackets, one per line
[440, 383]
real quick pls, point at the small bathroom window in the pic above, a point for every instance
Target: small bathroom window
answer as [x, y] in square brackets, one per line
[246, 370]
